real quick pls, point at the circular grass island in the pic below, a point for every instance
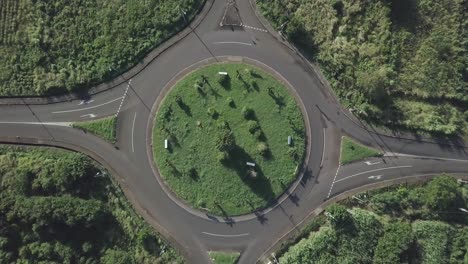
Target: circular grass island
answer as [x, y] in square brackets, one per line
[214, 125]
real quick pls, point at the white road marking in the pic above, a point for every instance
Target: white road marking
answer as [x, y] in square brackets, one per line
[123, 97]
[89, 115]
[133, 130]
[40, 123]
[87, 108]
[233, 42]
[387, 154]
[334, 180]
[381, 169]
[371, 163]
[323, 150]
[259, 29]
[85, 102]
[376, 177]
[219, 235]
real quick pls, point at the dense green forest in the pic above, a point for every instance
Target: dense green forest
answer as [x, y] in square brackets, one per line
[399, 63]
[403, 224]
[60, 207]
[50, 47]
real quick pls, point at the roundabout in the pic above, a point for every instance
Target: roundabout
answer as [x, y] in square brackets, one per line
[228, 138]
[194, 232]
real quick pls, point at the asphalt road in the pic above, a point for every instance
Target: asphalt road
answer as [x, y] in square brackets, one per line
[196, 232]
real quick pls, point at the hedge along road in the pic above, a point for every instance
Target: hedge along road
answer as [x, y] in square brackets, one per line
[196, 233]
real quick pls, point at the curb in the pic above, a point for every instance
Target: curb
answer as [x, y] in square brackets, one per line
[282, 241]
[130, 72]
[183, 204]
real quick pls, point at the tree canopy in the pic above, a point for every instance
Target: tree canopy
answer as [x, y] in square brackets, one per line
[402, 63]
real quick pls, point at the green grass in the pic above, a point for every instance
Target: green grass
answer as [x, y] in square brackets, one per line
[224, 257]
[191, 166]
[104, 128]
[53, 47]
[352, 151]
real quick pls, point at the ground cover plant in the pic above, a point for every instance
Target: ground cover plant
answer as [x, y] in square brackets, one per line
[50, 47]
[399, 63]
[402, 224]
[60, 207]
[353, 151]
[224, 257]
[214, 125]
[104, 128]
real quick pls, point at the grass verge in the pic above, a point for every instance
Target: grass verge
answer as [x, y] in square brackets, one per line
[224, 257]
[353, 151]
[104, 128]
[214, 125]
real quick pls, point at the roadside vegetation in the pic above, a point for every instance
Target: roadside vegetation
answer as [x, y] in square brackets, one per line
[224, 257]
[398, 63]
[104, 128]
[60, 207]
[353, 151]
[401, 224]
[52, 47]
[214, 125]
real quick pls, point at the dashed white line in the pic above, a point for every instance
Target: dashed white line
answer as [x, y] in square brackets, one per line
[334, 180]
[219, 235]
[87, 108]
[123, 97]
[381, 169]
[259, 29]
[133, 130]
[232, 42]
[339, 165]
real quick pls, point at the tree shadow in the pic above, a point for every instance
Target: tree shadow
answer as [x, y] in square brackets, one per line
[404, 14]
[256, 75]
[193, 174]
[226, 82]
[259, 184]
[255, 86]
[261, 217]
[185, 108]
[279, 99]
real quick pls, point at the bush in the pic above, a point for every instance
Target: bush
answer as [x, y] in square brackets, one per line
[248, 113]
[225, 141]
[179, 100]
[212, 112]
[223, 79]
[259, 135]
[443, 194]
[230, 102]
[253, 126]
[263, 149]
[395, 241]
[339, 216]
